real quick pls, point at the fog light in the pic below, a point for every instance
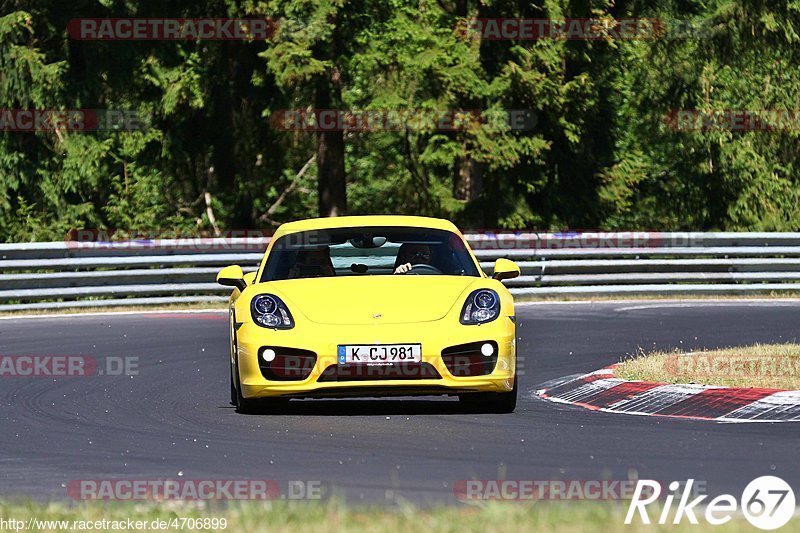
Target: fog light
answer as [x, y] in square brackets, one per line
[487, 349]
[268, 355]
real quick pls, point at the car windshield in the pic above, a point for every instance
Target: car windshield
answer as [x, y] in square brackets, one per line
[366, 251]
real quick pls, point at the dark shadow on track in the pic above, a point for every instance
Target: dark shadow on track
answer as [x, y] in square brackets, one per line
[363, 407]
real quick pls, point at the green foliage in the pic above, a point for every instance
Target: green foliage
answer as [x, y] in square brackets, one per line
[598, 149]
[744, 60]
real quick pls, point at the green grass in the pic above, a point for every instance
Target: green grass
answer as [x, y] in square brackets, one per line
[279, 516]
[761, 365]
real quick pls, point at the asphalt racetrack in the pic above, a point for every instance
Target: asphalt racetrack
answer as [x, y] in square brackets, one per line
[173, 418]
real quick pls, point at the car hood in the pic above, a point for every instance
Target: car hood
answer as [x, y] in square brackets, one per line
[373, 299]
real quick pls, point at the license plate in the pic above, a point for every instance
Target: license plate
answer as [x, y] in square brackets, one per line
[378, 354]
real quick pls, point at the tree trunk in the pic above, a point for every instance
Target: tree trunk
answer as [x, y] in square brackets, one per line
[331, 181]
[466, 177]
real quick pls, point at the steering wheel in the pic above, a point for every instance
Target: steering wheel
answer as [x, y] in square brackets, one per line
[423, 268]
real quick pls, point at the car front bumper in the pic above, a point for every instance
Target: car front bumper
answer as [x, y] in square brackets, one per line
[324, 339]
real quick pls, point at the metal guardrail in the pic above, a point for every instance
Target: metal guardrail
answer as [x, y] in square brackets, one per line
[44, 275]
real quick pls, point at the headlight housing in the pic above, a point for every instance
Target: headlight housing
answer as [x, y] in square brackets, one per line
[482, 305]
[269, 311]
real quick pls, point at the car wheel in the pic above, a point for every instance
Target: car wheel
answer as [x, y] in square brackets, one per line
[233, 387]
[491, 402]
[253, 406]
[243, 405]
[232, 356]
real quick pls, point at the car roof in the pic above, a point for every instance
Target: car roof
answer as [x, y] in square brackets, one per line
[365, 220]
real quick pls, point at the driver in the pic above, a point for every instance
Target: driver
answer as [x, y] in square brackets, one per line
[412, 254]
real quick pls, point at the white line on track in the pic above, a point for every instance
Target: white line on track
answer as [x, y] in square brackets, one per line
[738, 303]
[656, 304]
[112, 313]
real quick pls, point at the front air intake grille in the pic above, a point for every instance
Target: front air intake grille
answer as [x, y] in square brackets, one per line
[401, 371]
[290, 364]
[466, 360]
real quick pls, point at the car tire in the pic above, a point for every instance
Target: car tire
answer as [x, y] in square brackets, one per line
[244, 405]
[250, 406]
[491, 402]
[232, 356]
[233, 387]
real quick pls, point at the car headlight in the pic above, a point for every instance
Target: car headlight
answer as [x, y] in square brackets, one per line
[481, 306]
[269, 311]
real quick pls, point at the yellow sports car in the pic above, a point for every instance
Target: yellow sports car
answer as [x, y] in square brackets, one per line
[371, 306]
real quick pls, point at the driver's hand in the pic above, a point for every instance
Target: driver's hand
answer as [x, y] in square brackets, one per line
[402, 269]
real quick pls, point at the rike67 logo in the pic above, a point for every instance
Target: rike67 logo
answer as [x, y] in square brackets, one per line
[767, 503]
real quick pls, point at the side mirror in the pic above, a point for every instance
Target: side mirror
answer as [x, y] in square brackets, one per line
[232, 276]
[505, 269]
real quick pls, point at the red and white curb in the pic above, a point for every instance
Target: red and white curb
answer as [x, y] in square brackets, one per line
[601, 391]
